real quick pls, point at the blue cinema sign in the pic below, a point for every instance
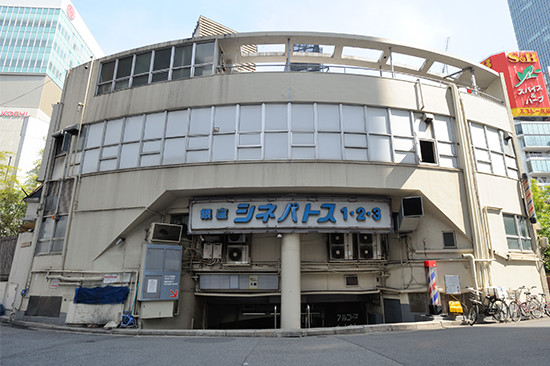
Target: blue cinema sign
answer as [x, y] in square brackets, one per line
[297, 214]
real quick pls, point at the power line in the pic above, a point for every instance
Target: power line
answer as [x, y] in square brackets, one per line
[27, 93]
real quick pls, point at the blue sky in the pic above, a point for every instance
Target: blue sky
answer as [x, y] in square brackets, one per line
[476, 28]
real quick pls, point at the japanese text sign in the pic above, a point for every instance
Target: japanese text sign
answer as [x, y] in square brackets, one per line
[207, 216]
[524, 82]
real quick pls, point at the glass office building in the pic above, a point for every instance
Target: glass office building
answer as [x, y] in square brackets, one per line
[534, 140]
[531, 19]
[39, 41]
[43, 37]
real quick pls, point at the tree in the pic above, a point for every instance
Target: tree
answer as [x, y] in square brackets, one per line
[12, 192]
[541, 199]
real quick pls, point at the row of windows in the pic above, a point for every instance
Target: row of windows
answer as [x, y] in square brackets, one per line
[170, 63]
[542, 128]
[535, 141]
[538, 165]
[266, 132]
[493, 151]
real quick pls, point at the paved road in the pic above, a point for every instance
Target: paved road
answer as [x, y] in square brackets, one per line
[486, 344]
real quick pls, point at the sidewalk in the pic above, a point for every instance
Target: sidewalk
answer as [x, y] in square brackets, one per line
[437, 323]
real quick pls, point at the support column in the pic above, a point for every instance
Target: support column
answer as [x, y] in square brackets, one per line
[290, 281]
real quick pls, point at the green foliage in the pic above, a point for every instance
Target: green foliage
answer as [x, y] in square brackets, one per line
[541, 198]
[12, 192]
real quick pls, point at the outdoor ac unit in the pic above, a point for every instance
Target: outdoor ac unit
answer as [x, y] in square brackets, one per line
[412, 209]
[365, 245]
[236, 238]
[164, 233]
[237, 254]
[340, 246]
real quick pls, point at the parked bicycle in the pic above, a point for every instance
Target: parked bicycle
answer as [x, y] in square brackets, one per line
[490, 305]
[535, 306]
[530, 308]
[545, 304]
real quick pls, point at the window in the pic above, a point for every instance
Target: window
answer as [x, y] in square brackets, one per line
[141, 69]
[517, 234]
[55, 217]
[427, 151]
[493, 151]
[106, 77]
[449, 240]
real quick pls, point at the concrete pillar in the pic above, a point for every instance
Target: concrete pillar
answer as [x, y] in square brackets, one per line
[290, 281]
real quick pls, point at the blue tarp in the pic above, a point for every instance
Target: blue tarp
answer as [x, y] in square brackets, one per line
[101, 295]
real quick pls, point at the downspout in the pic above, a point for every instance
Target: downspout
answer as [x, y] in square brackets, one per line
[76, 178]
[470, 186]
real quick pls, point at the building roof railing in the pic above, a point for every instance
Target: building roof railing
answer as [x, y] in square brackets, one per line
[339, 53]
[354, 51]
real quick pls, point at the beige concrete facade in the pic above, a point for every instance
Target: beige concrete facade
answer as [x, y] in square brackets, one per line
[389, 133]
[25, 117]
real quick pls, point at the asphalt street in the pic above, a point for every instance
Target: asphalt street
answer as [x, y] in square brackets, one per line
[485, 344]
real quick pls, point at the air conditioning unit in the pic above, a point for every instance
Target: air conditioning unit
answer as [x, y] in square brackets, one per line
[237, 254]
[412, 209]
[236, 238]
[365, 245]
[164, 233]
[340, 246]
[212, 250]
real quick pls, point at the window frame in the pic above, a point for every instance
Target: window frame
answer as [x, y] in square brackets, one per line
[520, 227]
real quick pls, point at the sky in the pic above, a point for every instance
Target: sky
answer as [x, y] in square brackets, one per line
[475, 29]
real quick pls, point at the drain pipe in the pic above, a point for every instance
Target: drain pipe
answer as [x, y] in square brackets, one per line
[473, 261]
[473, 264]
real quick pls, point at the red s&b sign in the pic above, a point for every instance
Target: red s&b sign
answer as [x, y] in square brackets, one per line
[524, 82]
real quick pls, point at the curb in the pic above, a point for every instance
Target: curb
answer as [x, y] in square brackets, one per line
[276, 333]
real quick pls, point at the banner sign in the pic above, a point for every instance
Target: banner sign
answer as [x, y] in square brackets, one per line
[289, 215]
[524, 81]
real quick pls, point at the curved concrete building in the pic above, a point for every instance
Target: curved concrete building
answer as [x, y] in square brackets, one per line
[288, 180]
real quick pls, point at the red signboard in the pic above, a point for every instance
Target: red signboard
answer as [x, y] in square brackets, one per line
[70, 11]
[524, 81]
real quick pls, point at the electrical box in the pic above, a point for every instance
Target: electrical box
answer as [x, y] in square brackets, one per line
[160, 275]
[212, 250]
[156, 309]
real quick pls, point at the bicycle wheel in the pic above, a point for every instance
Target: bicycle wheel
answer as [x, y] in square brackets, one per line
[500, 311]
[514, 311]
[547, 308]
[525, 310]
[473, 314]
[536, 308]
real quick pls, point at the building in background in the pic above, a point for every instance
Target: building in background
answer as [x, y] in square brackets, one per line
[530, 108]
[39, 41]
[531, 20]
[219, 195]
